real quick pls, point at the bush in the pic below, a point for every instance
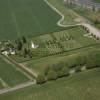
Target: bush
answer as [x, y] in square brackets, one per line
[40, 79]
[52, 75]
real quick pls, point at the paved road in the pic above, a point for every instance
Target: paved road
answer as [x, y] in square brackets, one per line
[21, 86]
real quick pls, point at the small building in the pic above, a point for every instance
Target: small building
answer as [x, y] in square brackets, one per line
[33, 45]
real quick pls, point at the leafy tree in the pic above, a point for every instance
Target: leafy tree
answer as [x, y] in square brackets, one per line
[52, 75]
[19, 45]
[40, 79]
[24, 39]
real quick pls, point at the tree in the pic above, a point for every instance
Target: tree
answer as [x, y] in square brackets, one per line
[40, 79]
[19, 45]
[24, 39]
[25, 52]
[52, 75]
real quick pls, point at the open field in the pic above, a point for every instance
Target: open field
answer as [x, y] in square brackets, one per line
[39, 65]
[70, 17]
[1, 86]
[98, 1]
[58, 42]
[10, 74]
[26, 17]
[88, 14]
[84, 86]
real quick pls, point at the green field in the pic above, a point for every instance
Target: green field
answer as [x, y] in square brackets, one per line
[1, 86]
[92, 16]
[70, 17]
[98, 1]
[58, 42]
[10, 74]
[81, 86]
[26, 17]
[39, 65]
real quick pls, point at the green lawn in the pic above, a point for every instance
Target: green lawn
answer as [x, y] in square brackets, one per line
[26, 17]
[81, 86]
[10, 74]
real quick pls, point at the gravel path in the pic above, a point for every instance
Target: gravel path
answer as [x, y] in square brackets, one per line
[6, 90]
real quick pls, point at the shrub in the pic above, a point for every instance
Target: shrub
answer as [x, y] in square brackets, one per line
[40, 79]
[52, 75]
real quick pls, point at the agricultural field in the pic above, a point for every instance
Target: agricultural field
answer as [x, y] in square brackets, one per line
[24, 17]
[81, 86]
[70, 17]
[58, 42]
[10, 75]
[92, 16]
[48, 51]
[69, 58]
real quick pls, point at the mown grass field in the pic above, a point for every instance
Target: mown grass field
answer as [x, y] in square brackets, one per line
[26, 17]
[10, 74]
[81, 86]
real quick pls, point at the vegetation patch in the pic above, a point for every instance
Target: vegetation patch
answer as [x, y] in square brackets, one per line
[91, 15]
[28, 18]
[84, 85]
[10, 74]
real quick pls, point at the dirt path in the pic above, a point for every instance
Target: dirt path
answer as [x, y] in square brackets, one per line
[92, 29]
[59, 23]
[21, 86]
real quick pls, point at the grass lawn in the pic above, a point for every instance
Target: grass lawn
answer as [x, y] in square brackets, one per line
[10, 74]
[81, 86]
[26, 17]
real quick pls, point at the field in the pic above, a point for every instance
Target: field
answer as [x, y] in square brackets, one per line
[84, 86]
[24, 17]
[58, 42]
[92, 16]
[98, 1]
[70, 17]
[58, 51]
[39, 65]
[10, 75]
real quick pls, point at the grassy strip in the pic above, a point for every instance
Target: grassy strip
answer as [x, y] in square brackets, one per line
[85, 85]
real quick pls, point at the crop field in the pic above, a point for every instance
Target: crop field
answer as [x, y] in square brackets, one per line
[26, 17]
[10, 75]
[84, 86]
